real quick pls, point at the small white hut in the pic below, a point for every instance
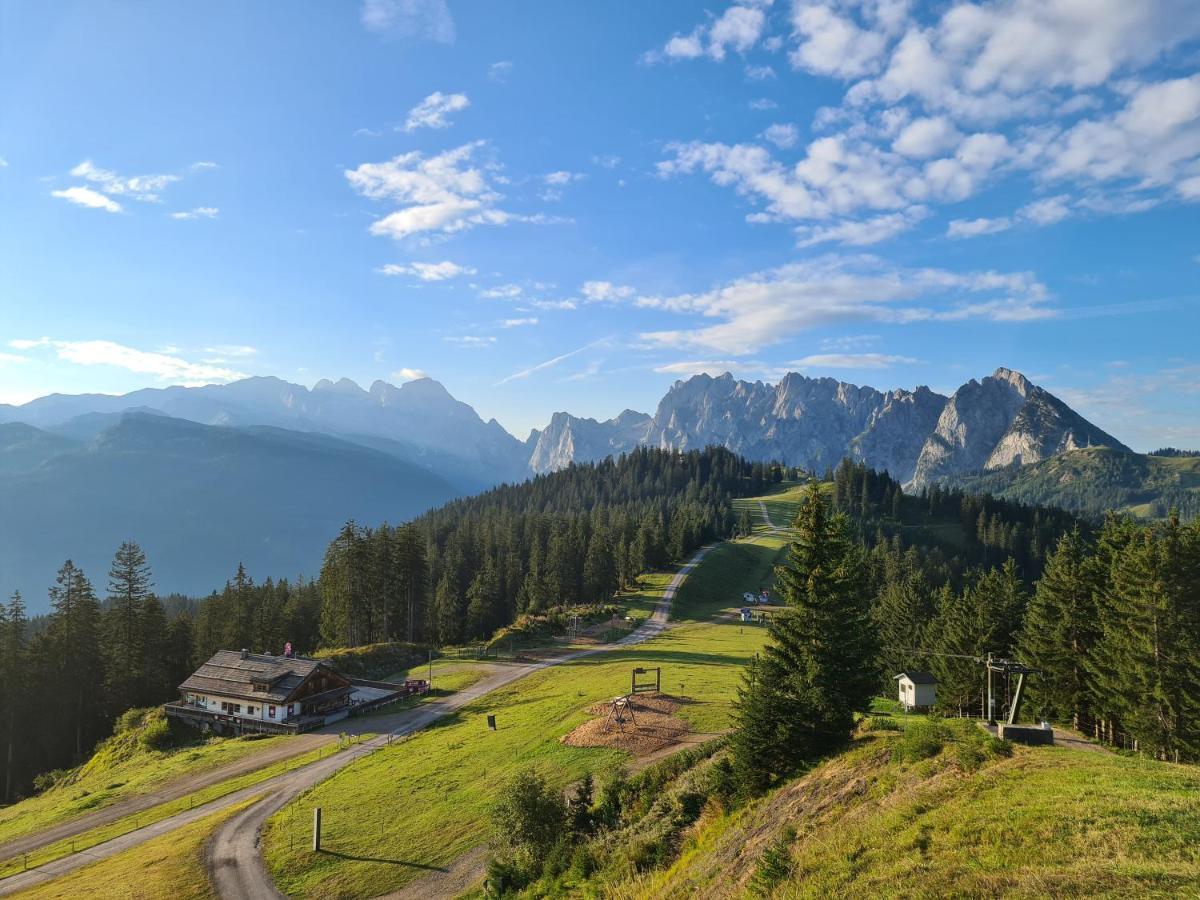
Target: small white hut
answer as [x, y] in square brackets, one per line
[917, 690]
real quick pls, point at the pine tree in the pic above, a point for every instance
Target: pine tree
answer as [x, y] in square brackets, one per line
[819, 667]
[129, 583]
[448, 612]
[72, 648]
[599, 571]
[903, 614]
[14, 680]
[1060, 630]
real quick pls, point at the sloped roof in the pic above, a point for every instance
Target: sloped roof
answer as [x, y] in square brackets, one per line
[258, 676]
[916, 677]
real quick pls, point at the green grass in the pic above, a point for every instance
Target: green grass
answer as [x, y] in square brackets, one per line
[168, 866]
[102, 833]
[962, 819]
[123, 768]
[425, 801]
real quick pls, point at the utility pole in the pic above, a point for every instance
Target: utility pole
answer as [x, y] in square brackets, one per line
[991, 701]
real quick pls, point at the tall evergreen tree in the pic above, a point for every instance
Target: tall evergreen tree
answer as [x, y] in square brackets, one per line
[72, 648]
[129, 584]
[14, 681]
[819, 667]
[1060, 631]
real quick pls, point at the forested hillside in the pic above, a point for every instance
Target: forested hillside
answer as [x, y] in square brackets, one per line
[1098, 479]
[571, 537]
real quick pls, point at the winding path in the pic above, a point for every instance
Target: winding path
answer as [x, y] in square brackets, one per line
[233, 853]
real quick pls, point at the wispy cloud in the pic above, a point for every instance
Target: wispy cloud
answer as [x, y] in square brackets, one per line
[852, 361]
[420, 19]
[474, 341]
[164, 366]
[433, 111]
[85, 196]
[199, 212]
[517, 323]
[439, 271]
[407, 374]
[551, 363]
[499, 71]
[770, 307]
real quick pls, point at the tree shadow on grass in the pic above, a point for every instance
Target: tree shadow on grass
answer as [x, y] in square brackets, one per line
[390, 862]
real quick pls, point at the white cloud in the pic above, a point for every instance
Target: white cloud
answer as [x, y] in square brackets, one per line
[29, 344]
[761, 104]
[199, 212]
[862, 232]
[241, 351]
[472, 341]
[1047, 211]
[600, 291]
[852, 361]
[561, 177]
[203, 165]
[439, 271]
[164, 366]
[433, 110]
[607, 160]
[499, 71]
[146, 188]
[517, 323]
[502, 292]
[969, 228]
[14, 358]
[737, 29]
[770, 307]
[691, 367]
[759, 73]
[782, 136]
[439, 193]
[831, 44]
[85, 196]
[3, 163]
[407, 374]
[1153, 141]
[560, 305]
[923, 138]
[422, 19]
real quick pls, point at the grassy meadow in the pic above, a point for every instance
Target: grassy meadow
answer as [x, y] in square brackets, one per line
[392, 816]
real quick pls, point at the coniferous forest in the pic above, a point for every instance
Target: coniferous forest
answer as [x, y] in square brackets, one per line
[1110, 614]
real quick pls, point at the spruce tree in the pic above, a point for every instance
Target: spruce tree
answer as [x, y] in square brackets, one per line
[819, 666]
[14, 680]
[129, 584]
[1060, 630]
[72, 646]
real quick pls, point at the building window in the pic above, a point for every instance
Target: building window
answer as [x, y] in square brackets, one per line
[291, 710]
[250, 710]
[270, 712]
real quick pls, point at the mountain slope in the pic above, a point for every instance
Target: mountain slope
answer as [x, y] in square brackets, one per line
[429, 427]
[1001, 420]
[23, 447]
[917, 436]
[1095, 480]
[199, 499]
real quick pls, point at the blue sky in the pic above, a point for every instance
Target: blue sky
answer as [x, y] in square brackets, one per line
[568, 206]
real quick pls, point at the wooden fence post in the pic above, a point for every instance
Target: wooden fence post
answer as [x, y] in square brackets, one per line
[316, 829]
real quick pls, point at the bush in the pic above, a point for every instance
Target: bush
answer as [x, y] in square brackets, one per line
[157, 735]
[47, 780]
[882, 723]
[129, 720]
[775, 865]
[921, 739]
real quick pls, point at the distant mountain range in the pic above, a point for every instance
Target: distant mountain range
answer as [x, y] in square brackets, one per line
[918, 436]
[265, 471]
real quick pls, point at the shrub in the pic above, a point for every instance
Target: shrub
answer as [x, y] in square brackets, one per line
[882, 723]
[47, 780]
[775, 865]
[921, 739]
[129, 720]
[156, 735]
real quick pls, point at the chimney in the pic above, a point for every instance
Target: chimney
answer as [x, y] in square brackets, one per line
[245, 653]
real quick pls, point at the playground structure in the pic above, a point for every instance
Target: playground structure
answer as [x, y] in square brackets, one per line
[643, 687]
[620, 711]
